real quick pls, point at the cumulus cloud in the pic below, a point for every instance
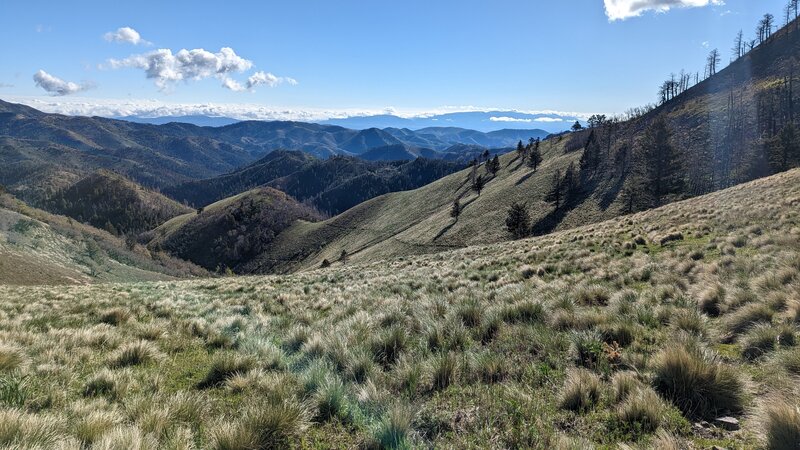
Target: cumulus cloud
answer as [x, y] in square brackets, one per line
[624, 9]
[165, 68]
[125, 35]
[57, 86]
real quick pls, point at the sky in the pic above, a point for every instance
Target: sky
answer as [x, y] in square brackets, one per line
[312, 59]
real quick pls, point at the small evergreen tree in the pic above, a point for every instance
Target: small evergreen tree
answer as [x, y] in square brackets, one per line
[325, 263]
[521, 151]
[577, 126]
[343, 257]
[784, 150]
[556, 191]
[534, 155]
[478, 184]
[455, 211]
[663, 162]
[518, 221]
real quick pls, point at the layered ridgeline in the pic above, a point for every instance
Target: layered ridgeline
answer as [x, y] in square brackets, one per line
[229, 233]
[111, 202]
[37, 247]
[735, 126]
[41, 153]
[673, 328]
[331, 185]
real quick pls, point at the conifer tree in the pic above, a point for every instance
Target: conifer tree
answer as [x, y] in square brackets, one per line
[478, 184]
[663, 162]
[534, 156]
[518, 221]
[455, 210]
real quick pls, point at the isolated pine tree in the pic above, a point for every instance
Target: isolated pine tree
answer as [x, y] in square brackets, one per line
[518, 221]
[521, 150]
[343, 257]
[556, 192]
[478, 184]
[590, 159]
[577, 126]
[455, 211]
[534, 155]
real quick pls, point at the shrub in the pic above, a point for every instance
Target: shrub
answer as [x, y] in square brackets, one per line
[781, 425]
[265, 424]
[135, 353]
[697, 383]
[394, 430]
[224, 366]
[581, 390]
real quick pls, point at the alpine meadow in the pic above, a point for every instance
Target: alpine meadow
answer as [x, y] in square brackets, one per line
[196, 253]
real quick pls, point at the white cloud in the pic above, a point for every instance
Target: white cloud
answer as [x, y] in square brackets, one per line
[125, 35]
[624, 9]
[509, 119]
[268, 79]
[165, 68]
[84, 106]
[548, 119]
[57, 86]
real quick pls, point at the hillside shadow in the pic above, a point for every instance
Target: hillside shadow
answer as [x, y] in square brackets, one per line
[611, 194]
[525, 177]
[548, 223]
[444, 230]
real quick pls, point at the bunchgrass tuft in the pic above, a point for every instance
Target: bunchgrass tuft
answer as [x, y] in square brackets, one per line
[224, 366]
[581, 391]
[697, 383]
[781, 424]
[134, 354]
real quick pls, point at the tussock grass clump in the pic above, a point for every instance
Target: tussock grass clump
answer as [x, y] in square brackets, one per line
[490, 368]
[490, 327]
[781, 424]
[107, 383]
[711, 300]
[21, 430]
[746, 317]
[696, 382]
[115, 316]
[330, 401]
[470, 314]
[524, 312]
[395, 430]
[134, 354]
[224, 366]
[360, 367]
[791, 361]
[443, 370]
[296, 338]
[265, 424]
[690, 321]
[581, 390]
[126, 437]
[593, 295]
[95, 424]
[12, 358]
[389, 344]
[760, 340]
[642, 410]
[624, 383]
[586, 348]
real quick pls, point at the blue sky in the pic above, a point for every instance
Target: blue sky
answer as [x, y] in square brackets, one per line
[365, 56]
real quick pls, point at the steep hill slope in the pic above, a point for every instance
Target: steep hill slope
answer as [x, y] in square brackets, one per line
[642, 331]
[111, 202]
[331, 185]
[229, 233]
[725, 130]
[37, 247]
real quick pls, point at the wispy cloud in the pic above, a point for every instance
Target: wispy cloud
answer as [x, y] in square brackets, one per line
[125, 35]
[6, 85]
[57, 86]
[624, 9]
[509, 119]
[548, 119]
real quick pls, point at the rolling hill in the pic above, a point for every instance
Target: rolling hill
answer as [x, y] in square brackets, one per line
[111, 202]
[229, 233]
[37, 248]
[331, 185]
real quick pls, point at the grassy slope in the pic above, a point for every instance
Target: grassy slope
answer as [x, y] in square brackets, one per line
[40, 248]
[489, 339]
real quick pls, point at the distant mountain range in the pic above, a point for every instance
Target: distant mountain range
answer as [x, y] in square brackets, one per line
[476, 120]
